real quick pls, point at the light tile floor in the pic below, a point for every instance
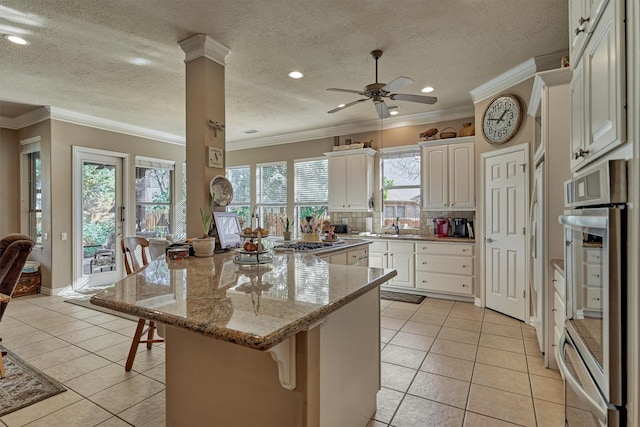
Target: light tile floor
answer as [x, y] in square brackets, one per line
[444, 363]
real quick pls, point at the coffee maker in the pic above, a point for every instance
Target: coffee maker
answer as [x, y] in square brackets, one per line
[460, 227]
[441, 227]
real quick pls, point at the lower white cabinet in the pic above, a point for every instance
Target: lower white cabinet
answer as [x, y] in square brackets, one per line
[401, 258]
[559, 313]
[397, 255]
[445, 267]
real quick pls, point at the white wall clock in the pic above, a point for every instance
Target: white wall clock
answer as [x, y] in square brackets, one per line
[215, 157]
[502, 119]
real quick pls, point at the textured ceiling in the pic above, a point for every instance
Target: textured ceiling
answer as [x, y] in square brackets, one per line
[81, 53]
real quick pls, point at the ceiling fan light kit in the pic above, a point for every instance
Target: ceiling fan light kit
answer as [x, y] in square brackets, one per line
[378, 91]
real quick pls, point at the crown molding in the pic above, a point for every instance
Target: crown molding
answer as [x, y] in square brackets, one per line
[202, 45]
[27, 119]
[517, 74]
[113, 126]
[368, 126]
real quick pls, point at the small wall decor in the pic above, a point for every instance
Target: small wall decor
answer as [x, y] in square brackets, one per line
[216, 127]
[215, 157]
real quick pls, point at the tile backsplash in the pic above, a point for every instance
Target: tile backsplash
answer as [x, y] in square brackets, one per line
[358, 221]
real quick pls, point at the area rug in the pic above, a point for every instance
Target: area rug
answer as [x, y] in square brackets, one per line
[24, 385]
[402, 297]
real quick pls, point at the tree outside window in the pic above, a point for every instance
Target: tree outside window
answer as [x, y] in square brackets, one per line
[401, 187]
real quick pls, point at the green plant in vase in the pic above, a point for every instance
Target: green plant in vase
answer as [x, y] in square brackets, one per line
[286, 225]
[205, 245]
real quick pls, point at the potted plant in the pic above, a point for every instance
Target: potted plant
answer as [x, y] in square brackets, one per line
[204, 246]
[287, 228]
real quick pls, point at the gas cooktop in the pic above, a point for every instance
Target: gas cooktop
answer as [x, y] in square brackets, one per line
[304, 246]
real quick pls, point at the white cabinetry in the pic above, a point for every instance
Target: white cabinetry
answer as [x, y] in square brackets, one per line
[401, 258]
[356, 256]
[598, 118]
[396, 255]
[559, 312]
[583, 17]
[350, 180]
[445, 267]
[448, 180]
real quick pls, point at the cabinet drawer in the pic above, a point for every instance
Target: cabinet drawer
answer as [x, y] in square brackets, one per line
[593, 275]
[593, 256]
[558, 284]
[593, 298]
[401, 247]
[444, 283]
[558, 311]
[445, 264]
[378, 246]
[358, 256]
[463, 249]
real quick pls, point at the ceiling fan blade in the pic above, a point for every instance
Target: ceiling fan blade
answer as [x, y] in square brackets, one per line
[381, 108]
[396, 84]
[347, 105]
[413, 98]
[335, 89]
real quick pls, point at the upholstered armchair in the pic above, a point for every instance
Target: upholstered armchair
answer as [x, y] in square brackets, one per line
[14, 251]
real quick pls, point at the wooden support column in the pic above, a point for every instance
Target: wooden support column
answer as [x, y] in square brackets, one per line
[205, 118]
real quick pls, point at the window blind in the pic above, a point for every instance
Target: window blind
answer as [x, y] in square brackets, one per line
[311, 184]
[240, 181]
[271, 180]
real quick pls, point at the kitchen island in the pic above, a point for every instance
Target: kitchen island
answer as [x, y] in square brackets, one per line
[293, 342]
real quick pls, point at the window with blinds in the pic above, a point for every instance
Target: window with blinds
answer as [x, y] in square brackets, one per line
[311, 189]
[401, 187]
[271, 195]
[240, 180]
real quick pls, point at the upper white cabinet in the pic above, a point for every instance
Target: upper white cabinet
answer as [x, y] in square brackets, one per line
[448, 180]
[351, 180]
[598, 116]
[583, 18]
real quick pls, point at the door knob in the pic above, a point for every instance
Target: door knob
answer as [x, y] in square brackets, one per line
[488, 240]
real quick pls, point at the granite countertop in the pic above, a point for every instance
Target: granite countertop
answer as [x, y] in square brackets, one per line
[256, 306]
[414, 237]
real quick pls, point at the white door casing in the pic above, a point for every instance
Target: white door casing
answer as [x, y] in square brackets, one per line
[536, 257]
[505, 175]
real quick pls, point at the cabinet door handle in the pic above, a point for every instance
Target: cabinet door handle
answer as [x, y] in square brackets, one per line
[488, 240]
[464, 250]
[554, 309]
[554, 280]
[582, 20]
[424, 281]
[579, 30]
[452, 204]
[464, 286]
[424, 262]
[465, 266]
[580, 153]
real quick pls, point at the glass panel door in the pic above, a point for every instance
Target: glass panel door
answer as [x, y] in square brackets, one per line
[100, 213]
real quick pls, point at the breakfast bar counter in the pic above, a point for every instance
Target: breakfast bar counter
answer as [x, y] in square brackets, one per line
[291, 342]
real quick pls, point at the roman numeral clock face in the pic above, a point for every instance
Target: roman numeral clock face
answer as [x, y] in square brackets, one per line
[502, 119]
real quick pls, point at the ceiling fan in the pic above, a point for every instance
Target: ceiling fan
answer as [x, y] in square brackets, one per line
[378, 91]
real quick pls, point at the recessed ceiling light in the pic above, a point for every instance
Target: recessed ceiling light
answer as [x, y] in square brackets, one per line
[250, 131]
[139, 61]
[427, 89]
[296, 75]
[15, 39]
[394, 112]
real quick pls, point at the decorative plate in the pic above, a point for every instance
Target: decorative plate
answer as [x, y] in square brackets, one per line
[221, 191]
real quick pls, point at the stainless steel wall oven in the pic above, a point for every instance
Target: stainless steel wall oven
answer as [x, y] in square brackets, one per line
[591, 352]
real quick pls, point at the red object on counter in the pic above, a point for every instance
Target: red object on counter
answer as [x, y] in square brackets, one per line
[441, 227]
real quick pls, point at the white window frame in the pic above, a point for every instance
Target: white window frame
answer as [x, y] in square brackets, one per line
[235, 202]
[261, 206]
[143, 162]
[298, 205]
[27, 227]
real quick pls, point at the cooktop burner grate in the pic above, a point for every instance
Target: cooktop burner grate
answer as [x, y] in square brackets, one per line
[303, 246]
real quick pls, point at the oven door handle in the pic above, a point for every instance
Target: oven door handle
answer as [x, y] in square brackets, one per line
[597, 408]
[584, 221]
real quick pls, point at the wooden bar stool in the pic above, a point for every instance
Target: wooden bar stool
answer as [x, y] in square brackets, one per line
[130, 246]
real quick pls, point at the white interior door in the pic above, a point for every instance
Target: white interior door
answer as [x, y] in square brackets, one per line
[505, 215]
[98, 218]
